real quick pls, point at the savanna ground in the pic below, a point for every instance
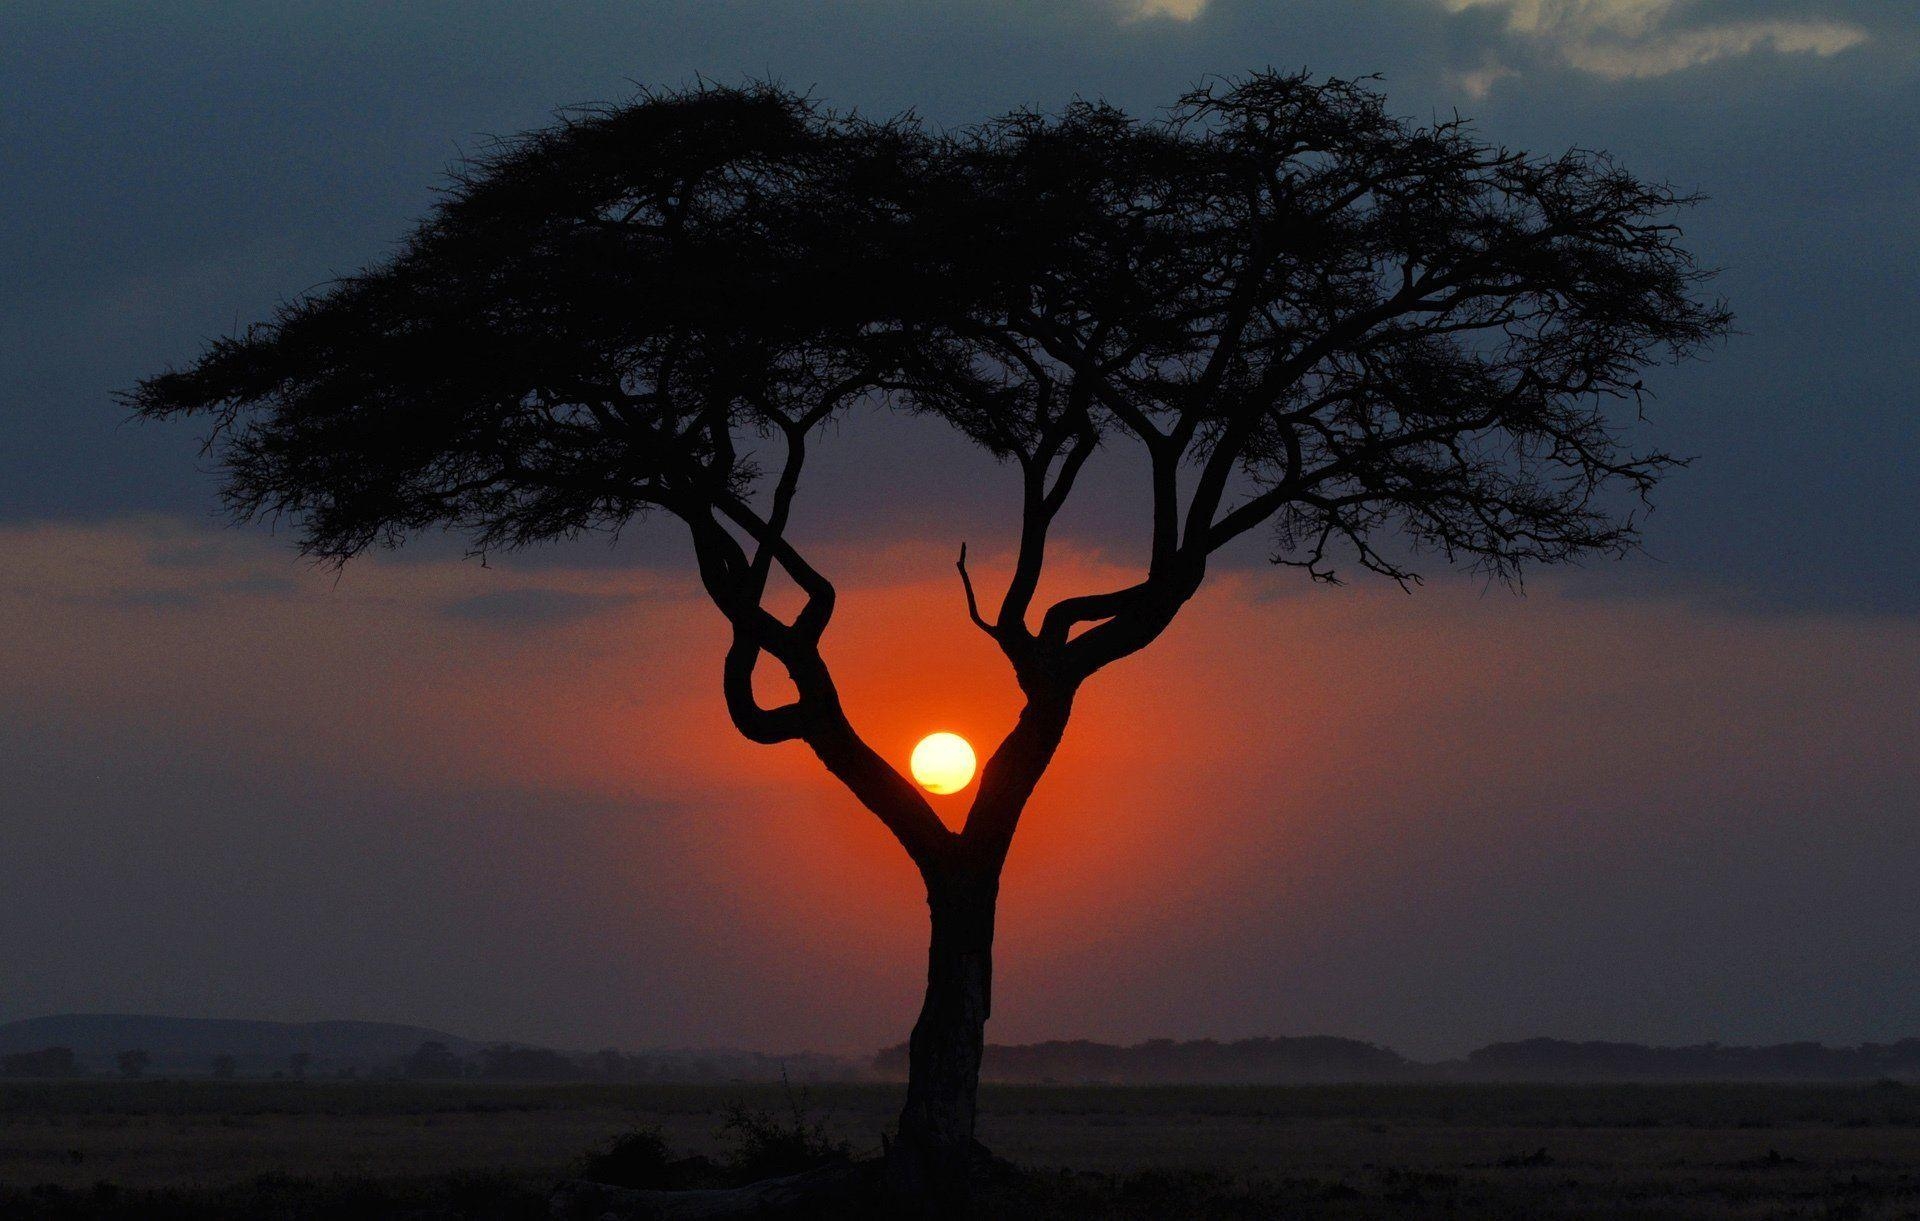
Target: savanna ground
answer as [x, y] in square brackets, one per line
[159, 1149]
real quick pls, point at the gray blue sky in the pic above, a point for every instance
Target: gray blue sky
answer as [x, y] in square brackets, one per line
[1674, 799]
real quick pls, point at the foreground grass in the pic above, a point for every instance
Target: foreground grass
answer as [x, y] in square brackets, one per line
[161, 1149]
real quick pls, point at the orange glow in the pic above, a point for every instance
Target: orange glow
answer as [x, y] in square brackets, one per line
[943, 763]
[1284, 757]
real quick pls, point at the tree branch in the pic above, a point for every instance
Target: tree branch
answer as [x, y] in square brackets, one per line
[816, 717]
[973, 604]
[1009, 778]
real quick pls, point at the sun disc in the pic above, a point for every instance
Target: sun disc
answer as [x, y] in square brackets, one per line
[943, 763]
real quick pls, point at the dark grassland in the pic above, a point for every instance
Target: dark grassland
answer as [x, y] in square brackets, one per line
[159, 1149]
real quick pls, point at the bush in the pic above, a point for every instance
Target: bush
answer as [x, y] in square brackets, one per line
[635, 1159]
[641, 1158]
[767, 1146]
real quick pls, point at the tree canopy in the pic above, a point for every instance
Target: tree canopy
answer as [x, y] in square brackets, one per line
[1371, 337]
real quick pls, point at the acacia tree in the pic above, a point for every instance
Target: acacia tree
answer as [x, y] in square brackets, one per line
[1369, 337]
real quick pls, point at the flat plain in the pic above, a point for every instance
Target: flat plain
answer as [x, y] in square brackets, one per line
[293, 1149]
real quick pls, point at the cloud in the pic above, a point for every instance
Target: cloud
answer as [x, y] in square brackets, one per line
[1691, 48]
[1638, 39]
[1480, 82]
[520, 607]
[1172, 10]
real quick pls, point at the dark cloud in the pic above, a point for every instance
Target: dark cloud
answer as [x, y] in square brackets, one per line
[189, 553]
[529, 607]
[138, 599]
[175, 172]
[260, 584]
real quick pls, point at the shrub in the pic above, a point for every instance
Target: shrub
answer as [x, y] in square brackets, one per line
[766, 1145]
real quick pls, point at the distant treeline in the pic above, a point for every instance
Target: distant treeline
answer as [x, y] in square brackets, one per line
[1284, 1061]
[437, 1061]
[1557, 1060]
[1166, 1062]
[136, 1045]
[517, 1062]
[147, 1045]
[47, 1062]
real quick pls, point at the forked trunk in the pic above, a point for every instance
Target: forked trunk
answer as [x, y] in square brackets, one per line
[936, 1151]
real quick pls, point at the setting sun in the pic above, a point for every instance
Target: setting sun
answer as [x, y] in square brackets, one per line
[943, 763]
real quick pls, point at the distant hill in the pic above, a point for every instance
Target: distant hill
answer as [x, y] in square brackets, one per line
[188, 1045]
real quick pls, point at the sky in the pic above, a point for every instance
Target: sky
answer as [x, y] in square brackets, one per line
[1671, 799]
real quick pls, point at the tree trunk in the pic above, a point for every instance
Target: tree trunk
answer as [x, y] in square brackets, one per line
[936, 1152]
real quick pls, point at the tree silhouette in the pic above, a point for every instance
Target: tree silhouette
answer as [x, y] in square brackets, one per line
[133, 1063]
[432, 1060]
[47, 1062]
[1370, 337]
